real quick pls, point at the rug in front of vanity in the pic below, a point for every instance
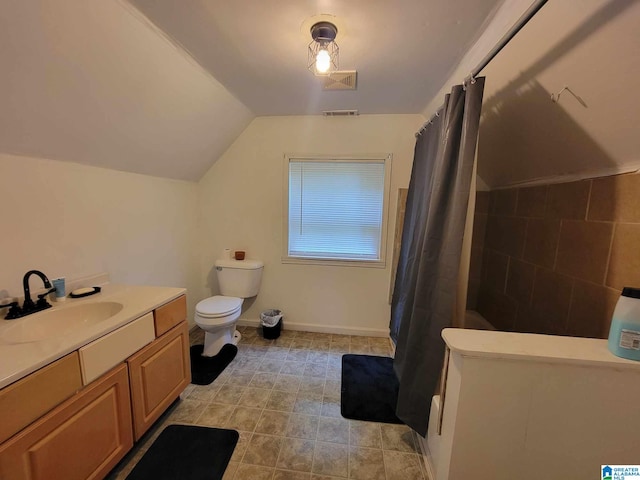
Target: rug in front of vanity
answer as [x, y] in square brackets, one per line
[369, 389]
[187, 452]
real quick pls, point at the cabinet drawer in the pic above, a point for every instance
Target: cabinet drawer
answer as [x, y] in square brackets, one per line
[28, 399]
[158, 374]
[82, 438]
[106, 352]
[170, 314]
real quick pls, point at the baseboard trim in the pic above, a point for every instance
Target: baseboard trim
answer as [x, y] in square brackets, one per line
[311, 327]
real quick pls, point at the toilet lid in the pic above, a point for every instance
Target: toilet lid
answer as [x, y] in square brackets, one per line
[218, 306]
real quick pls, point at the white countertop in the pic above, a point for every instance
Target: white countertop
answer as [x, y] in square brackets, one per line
[20, 359]
[533, 347]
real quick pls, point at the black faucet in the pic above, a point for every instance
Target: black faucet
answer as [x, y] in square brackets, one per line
[29, 305]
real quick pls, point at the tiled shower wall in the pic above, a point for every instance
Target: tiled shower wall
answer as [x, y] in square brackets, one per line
[553, 259]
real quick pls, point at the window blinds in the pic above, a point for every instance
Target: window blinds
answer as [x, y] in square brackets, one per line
[336, 209]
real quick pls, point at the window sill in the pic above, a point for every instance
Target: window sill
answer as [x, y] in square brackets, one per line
[334, 262]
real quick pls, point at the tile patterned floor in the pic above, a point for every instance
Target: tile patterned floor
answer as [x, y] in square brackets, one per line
[283, 396]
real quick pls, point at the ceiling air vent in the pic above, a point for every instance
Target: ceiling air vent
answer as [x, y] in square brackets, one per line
[340, 80]
[340, 113]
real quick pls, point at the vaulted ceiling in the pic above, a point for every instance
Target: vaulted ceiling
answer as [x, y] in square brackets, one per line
[163, 87]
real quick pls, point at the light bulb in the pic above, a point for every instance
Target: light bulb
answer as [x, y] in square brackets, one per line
[323, 61]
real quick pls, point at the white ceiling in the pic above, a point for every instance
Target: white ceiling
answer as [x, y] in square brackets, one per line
[163, 87]
[403, 50]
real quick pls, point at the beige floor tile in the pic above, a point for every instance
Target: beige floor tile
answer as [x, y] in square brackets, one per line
[284, 395]
[187, 411]
[365, 434]
[281, 400]
[315, 370]
[333, 430]
[254, 397]
[330, 407]
[230, 471]
[381, 351]
[297, 355]
[398, 437]
[264, 380]
[312, 385]
[332, 388]
[401, 466]
[215, 415]
[241, 446]
[253, 472]
[287, 383]
[296, 454]
[292, 368]
[291, 475]
[268, 365]
[229, 394]
[272, 422]
[244, 418]
[318, 357]
[366, 464]
[331, 459]
[263, 450]
[308, 403]
[302, 426]
[203, 393]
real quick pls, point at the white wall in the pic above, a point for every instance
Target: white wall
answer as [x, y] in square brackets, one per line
[72, 220]
[241, 207]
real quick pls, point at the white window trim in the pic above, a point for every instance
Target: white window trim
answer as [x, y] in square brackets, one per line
[381, 263]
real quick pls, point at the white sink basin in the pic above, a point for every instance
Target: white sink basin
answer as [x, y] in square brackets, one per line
[54, 323]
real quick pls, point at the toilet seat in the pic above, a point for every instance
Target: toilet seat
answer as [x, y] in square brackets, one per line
[218, 306]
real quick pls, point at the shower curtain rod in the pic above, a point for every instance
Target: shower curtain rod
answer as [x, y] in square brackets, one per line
[522, 21]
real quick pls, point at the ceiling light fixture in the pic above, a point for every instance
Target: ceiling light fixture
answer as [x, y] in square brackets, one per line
[323, 50]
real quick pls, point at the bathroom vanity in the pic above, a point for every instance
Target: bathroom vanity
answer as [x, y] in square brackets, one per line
[74, 401]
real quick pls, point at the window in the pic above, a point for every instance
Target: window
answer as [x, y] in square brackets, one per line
[336, 210]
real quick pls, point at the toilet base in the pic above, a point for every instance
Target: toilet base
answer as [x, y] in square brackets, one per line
[213, 343]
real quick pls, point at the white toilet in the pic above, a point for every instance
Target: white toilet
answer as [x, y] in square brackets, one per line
[217, 315]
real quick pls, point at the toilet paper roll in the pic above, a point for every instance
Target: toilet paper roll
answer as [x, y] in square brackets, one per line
[226, 254]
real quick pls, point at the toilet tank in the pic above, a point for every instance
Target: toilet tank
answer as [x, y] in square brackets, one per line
[239, 278]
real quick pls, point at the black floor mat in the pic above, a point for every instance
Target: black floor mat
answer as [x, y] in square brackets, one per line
[205, 370]
[369, 389]
[187, 452]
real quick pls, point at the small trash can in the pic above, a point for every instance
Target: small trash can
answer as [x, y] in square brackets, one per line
[271, 321]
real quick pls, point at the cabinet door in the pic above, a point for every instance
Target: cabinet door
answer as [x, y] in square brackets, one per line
[83, 438]
[158, 374]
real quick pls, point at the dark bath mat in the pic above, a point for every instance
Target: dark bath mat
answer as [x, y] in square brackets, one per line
[187, 452]
[369, 389]
[205, 370]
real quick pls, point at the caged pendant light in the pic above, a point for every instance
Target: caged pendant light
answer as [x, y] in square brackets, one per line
[323, 50]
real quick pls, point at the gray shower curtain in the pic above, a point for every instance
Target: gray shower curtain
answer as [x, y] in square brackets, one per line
[425, 286]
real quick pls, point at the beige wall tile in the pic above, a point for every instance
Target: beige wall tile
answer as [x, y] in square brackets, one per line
[482, 202]
[479, 229]
[506, 235]
[615, 199]
[520, 281]
[568, 200]
[503, 202]
[550, 301]
[624, 264]
[591, 310]
[532, 201]
[542, 241]
[583, 249]
[498, 309]
[496, 264]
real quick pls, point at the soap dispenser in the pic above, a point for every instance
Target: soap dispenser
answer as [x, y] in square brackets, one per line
[624, 334]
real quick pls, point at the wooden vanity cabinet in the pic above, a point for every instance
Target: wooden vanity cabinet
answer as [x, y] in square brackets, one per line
[158, 374]
[83, 437]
